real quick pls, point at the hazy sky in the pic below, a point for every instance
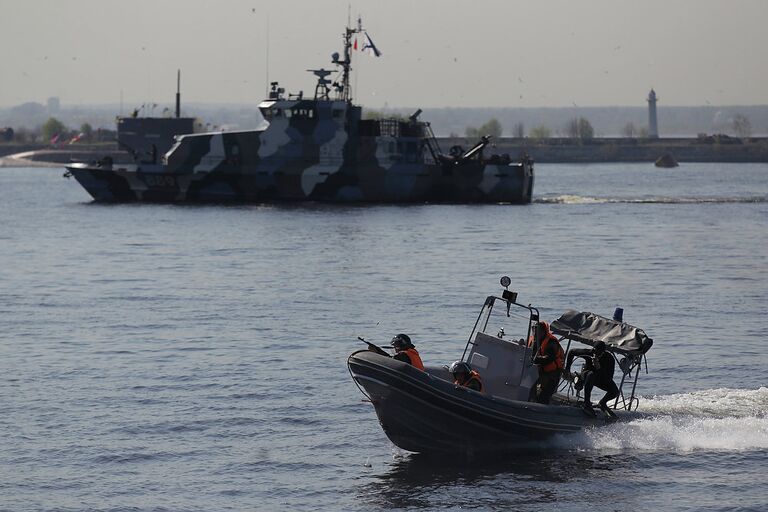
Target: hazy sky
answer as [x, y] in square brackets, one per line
[511, 53]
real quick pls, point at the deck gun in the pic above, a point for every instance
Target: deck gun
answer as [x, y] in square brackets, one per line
[484, 140]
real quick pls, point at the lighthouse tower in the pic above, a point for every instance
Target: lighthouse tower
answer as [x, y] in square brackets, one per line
[653, 126]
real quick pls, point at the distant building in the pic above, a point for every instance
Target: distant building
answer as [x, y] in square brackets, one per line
[54, 105]
[653, 126]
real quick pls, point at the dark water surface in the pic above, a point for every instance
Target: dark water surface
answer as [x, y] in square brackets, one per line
[158, 357]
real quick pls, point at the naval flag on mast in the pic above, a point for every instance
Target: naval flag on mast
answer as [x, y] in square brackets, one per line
[369, 47]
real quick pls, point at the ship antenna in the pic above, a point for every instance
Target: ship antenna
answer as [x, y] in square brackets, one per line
[178, 93]
[266, 63]
[346, 64]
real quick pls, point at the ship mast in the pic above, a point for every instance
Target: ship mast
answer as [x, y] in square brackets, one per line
[346, 64]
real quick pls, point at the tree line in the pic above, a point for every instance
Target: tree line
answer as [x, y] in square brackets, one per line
[579, 128]
[54, 131]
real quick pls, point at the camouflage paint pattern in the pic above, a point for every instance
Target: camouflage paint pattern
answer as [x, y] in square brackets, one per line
[312, 150]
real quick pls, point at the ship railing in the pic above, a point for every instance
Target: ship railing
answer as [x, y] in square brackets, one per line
[628, 364]
[389, 127]
[509, 299]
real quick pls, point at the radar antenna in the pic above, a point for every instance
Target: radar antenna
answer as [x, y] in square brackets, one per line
[342, 89]
[321, 88]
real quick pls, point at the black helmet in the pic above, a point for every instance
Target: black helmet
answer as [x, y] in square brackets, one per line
[599, 347]
[459, 367]
[401, 341]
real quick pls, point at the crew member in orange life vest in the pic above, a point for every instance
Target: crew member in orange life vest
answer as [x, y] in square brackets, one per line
[550, 359]
[406, 352]
[464, 375]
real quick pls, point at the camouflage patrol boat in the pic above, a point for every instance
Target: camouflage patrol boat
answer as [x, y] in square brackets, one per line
[318, 149]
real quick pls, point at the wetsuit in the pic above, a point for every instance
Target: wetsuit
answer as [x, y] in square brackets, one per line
[598, 371]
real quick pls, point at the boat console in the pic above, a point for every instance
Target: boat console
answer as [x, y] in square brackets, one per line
[503, 366]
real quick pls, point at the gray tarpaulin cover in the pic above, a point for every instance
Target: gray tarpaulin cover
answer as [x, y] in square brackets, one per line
[588, 328]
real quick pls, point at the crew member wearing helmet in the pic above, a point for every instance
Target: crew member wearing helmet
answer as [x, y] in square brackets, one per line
[550, 359]
[406, 352]
[464, 375]
[598, 371]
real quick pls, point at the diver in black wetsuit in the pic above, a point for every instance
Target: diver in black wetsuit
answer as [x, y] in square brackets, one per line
[598, 371]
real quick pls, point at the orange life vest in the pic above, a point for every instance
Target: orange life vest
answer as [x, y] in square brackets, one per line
[473, 376]
[415, 358]
[559, 362]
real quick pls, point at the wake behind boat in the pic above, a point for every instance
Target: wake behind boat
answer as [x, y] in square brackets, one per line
[426, 412]
[316, 149]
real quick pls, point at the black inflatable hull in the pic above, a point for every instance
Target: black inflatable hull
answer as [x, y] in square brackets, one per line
[423, 413]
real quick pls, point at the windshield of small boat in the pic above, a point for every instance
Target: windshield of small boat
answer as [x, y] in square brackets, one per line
[513, 326]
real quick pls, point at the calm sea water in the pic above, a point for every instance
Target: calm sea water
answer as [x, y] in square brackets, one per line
[158, 357]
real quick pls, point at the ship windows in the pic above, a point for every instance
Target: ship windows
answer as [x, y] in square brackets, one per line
[303, 113]
[299, 113]
[273, 113]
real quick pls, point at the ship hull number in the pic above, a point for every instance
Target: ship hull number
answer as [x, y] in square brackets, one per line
[160, 180]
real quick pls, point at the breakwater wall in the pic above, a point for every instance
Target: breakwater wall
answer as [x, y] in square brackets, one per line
[551, 150]
[556, 150]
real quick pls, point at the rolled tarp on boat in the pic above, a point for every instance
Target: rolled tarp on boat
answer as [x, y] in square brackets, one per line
[590, 328]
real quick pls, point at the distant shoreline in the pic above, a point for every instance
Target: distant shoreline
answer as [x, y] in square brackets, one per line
[621, 149]
[553, 150]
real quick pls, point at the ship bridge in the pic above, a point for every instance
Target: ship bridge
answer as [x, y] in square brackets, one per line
[297, 109]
